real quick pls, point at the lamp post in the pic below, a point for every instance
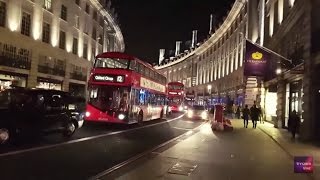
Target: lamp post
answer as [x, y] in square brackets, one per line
[209, 91]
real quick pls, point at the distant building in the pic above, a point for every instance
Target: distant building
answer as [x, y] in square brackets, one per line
[51, 44]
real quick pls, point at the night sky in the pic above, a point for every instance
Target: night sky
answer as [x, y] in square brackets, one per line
[149, 25]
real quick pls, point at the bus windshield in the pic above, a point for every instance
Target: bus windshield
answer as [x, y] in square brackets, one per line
[107, 97]
[175, 87]
[113, 63]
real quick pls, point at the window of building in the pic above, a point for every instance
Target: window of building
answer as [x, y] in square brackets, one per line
[25, 24]
[75, 46]
[85, 51]
[64, 12]
[94, 33]
[86, 27]
[87, 8]
[46, 33]
[62, 40]
[77, 2]
[93, 53]
[3, 12]
[95, 15]
[77, 21]
[47, 4]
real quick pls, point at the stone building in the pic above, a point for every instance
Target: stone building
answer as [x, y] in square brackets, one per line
[289, 30]
[51, 43]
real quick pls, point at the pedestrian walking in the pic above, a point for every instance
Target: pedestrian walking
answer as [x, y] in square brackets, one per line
[238, 112]
[294, 120]
[254, 113]
[245, 116]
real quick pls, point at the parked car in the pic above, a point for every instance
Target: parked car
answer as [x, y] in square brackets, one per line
[198, 112]
[26, 111]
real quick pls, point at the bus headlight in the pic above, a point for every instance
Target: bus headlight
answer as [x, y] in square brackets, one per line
[180, 108]
[204, 115]
[121, 116]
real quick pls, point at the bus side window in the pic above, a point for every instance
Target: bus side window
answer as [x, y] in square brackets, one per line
[133, 65]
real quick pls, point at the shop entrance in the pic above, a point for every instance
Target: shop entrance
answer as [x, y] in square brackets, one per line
[294, 93]
[7, 80]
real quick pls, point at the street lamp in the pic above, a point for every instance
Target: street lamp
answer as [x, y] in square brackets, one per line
[278, 71]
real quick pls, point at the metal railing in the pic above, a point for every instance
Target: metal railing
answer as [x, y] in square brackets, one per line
[78, 76]
[53, 71]
[15, 62]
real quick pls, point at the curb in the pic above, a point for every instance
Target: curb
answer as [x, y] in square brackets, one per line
[284, 149]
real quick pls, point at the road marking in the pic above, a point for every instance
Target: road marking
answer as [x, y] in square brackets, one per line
[86, 138]
[136, 157]
[186, 129]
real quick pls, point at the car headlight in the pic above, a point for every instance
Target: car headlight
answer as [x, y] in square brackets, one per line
[190, 113]
[88, 114]
[180, 108]
[204, 115]
[71, 107]
[121, 116]
[185, 107]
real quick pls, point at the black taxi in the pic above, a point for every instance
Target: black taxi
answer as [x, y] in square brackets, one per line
[37, 112]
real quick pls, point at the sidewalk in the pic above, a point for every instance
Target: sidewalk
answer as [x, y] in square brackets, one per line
[294, 147]
[241, 154]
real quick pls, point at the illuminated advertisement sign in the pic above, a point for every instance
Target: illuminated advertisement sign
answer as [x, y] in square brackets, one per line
[303, 164]
[109, 78]
[255, 60]
[152, 85]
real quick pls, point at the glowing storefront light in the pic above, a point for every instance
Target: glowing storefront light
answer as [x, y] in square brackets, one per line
[271, 105]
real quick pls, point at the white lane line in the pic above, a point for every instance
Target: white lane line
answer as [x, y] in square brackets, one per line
[186, 129]
[136, 157]
[86, 138]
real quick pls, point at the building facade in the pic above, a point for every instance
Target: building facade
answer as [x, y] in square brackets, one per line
[51, 44]
[213, 69]
[290, 31]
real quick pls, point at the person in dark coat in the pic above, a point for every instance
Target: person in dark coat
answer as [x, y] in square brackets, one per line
[294, 123]
[238, 112]
[245, 114]
[254, 113]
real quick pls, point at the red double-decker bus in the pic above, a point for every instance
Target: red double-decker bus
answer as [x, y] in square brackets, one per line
[176, 96]
[124, 89]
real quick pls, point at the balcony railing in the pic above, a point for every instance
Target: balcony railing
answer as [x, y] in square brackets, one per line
[53, 71]
[78, 76]
[15, 62]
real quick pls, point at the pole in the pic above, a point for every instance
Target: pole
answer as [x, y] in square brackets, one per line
[211, 18]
